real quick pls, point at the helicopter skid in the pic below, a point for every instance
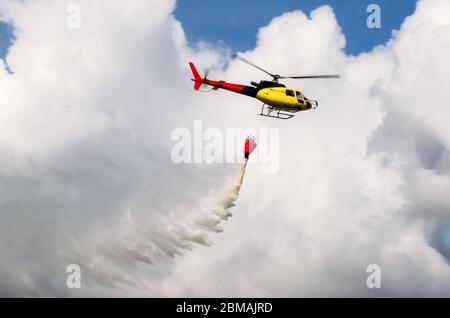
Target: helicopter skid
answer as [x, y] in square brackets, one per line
[269, 111]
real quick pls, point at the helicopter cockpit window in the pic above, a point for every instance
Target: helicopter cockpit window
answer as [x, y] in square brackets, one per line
[299, 97]
[290, 93]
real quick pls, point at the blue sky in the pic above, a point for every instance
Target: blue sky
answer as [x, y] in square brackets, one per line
[5, 38]
[236, 22]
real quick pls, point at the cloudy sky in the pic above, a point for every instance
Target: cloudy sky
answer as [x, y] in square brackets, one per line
[237, 22]
[87, 117]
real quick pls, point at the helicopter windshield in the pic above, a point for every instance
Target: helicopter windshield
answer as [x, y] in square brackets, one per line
[299, 97]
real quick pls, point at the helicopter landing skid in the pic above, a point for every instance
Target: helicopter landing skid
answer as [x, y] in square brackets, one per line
[267, 111]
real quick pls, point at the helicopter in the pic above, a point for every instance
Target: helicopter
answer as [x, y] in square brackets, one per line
[278, 101]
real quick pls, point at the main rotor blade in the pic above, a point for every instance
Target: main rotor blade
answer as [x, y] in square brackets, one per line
[312, 76]
[277, 77]
[254, 65]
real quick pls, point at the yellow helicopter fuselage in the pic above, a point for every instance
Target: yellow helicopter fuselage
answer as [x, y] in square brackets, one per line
[283, 98]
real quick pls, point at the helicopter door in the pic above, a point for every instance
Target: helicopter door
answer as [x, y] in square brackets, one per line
[299, 98]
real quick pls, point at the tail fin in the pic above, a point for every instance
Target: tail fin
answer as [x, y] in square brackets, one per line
[197, 79]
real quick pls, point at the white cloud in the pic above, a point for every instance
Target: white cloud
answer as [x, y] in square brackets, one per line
[85, 142]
